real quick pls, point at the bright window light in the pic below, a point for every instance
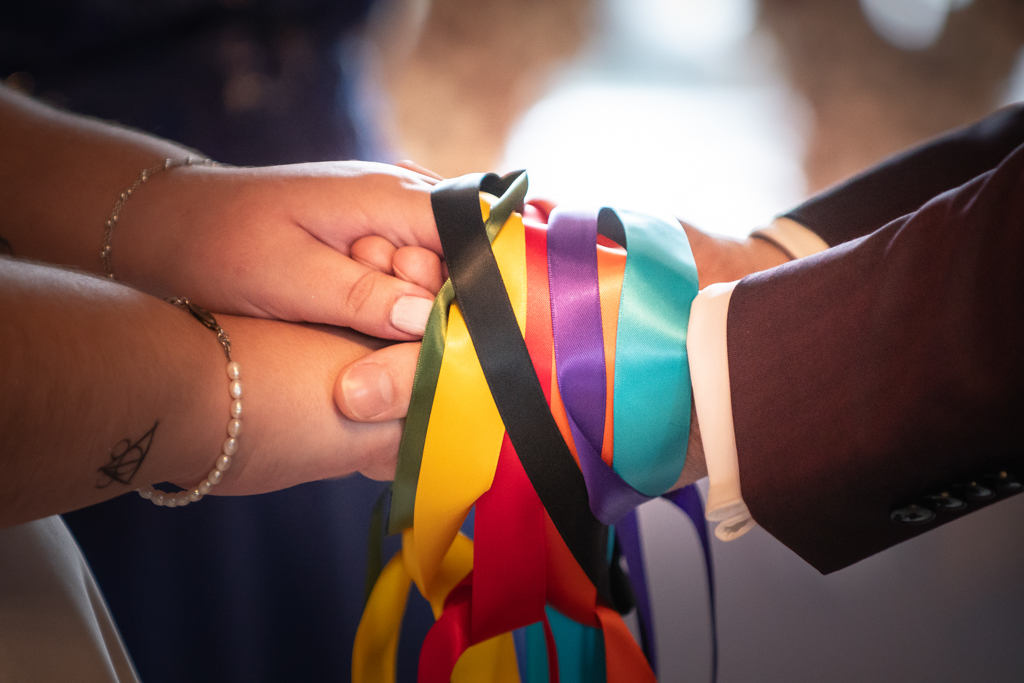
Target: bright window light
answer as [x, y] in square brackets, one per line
[726, 159]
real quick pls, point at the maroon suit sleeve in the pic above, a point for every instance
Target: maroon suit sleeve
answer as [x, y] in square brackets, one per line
[905, 181]
[872, 378]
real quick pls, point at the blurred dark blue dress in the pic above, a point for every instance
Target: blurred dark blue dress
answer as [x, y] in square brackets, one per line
[265, 588]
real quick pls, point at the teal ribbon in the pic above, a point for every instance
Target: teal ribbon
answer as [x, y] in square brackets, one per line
[580, 652]
[652, 373]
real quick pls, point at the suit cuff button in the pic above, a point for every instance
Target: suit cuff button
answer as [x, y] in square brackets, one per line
[972, 490]
[912, 514]
[943, 502]
[1006, 484]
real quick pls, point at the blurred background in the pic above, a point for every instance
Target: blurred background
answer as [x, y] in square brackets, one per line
[722, 112]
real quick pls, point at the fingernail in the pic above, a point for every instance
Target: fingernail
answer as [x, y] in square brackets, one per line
[410, 314]
[368, 390]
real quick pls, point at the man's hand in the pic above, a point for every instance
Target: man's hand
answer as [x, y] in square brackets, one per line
[277, 242]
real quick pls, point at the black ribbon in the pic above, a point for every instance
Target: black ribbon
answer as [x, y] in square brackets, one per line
[506, 364]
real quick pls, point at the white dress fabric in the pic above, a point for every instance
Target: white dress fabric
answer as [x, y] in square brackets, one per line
[54, 623]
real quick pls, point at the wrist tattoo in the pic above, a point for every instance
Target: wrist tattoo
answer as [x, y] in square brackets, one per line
[126, 459]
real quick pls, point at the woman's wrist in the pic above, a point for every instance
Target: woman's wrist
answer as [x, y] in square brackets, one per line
[294, 433]
[61, 175]
[192, 401]
[152, 247]
[105, 389]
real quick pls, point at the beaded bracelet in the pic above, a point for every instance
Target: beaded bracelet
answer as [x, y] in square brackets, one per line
[230, 447]
[146, 174]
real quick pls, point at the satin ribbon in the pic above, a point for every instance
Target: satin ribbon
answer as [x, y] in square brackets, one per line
[618, 650]
[579, 356]
[627, 531]
[511, 190]
[578, 644]
[688, 500]
[507, 587]
[611, 266]
[516, 391]
[465, 432]
[654, 384]
[509, 590]
[484, 433]
[577, 331]
[376, 642]
[433, 555]
[652, 374]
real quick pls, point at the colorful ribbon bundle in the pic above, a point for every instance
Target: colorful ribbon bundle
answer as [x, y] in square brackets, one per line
[552, 393]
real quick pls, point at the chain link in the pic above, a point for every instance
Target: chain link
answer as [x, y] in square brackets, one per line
[206, 318]
[146, 174]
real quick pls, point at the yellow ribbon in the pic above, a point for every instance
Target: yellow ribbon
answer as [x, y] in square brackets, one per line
[464, 436]
[460, 456]
[376, 645]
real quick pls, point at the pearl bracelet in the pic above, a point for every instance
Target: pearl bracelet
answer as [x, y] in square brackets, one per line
[230, 447]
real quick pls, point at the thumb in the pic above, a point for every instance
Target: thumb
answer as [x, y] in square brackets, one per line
[377, 387]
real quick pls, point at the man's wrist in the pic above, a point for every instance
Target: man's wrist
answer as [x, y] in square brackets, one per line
[762, 255]
[726, 259]
[695, 466]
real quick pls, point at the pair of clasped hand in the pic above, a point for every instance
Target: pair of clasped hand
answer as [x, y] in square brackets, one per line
[349, 250]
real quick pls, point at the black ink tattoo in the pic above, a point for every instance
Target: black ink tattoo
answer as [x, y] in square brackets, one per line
[5, 247]
[126, 459]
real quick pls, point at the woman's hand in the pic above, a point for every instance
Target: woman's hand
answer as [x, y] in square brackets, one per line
[280, 242]
[316, 243]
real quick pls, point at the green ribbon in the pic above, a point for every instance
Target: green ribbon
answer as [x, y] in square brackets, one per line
[375, 545]
[410, 452]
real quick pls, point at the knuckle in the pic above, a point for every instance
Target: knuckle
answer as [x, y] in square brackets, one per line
[361, 296]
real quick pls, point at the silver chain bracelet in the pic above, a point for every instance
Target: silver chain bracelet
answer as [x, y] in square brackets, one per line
[145, 175]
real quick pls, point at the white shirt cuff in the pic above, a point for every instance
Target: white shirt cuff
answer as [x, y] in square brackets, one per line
[709, 373]
[792, 237]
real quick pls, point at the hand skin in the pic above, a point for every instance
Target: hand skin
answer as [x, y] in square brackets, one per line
[378, 387]
[346, 243]
[279, 242]
[89, 363]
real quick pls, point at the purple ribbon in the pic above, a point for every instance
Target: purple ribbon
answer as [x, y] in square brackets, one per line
[688, 500]
[579, 356]
[582, 382]
[627, 533]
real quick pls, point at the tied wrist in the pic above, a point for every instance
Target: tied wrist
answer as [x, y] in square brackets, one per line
[234, 426]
